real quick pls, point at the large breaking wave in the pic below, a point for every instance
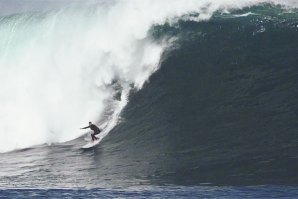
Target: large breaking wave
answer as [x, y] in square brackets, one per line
[61, 68]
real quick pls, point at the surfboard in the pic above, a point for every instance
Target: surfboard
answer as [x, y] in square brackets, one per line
[91, 144]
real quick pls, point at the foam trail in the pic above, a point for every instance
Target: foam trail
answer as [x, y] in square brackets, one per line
[57, 68]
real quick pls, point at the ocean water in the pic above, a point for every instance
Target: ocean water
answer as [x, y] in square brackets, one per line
[196, 99]
[157, 192]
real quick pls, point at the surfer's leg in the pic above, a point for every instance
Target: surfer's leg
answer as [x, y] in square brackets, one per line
[93, 137]
[96, 138]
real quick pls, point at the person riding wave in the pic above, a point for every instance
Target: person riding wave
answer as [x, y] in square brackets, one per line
[95, 129]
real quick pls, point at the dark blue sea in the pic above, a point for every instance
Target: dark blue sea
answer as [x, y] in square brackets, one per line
[157, 192]
[197, 99]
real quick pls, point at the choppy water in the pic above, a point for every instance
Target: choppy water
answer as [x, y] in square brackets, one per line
[157, 192]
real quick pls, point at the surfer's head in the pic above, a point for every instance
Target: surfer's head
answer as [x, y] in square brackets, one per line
[90, 123]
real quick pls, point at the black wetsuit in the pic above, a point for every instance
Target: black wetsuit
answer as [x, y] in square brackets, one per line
[95, 129]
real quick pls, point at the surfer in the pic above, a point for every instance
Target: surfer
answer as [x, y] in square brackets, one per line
[95, 129]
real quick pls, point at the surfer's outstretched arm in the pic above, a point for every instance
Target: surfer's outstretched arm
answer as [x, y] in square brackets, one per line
[85, 127]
